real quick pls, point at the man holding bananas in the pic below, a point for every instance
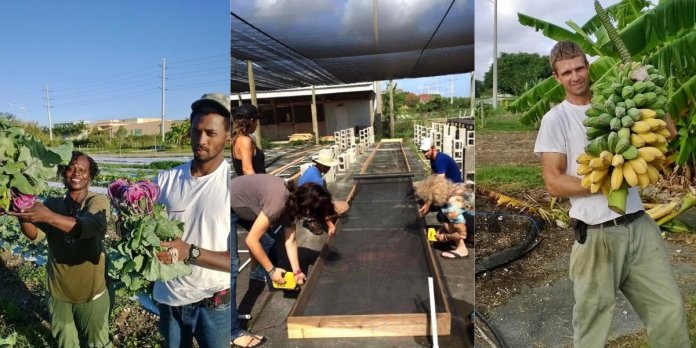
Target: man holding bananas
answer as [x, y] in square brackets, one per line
[612, 251]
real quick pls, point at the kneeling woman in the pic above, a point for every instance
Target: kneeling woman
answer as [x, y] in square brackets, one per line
[263, 200]
[74, 226]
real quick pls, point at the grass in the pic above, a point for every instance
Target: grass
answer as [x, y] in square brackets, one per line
[502, 123]
[509, 179]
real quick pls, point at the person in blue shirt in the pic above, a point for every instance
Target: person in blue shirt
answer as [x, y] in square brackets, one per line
[322, 164]
[441, 164]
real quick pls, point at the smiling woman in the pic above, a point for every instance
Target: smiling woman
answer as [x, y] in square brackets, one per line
[75, 226]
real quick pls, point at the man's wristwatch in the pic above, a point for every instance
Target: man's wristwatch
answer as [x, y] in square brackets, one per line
[194, 253]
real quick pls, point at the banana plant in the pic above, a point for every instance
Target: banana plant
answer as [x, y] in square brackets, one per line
[663, 35]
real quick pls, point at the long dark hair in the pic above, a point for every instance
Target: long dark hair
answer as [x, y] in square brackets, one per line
[241, 127]
[309, 201]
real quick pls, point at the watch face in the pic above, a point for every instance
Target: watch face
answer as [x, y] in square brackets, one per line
[195, 253]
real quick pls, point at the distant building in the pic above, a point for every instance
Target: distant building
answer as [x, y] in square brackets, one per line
[285, 112]
[135, 126]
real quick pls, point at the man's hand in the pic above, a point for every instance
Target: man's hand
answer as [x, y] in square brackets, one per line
[424, 209]
[181, 247]
[277, 275]
[37, 213]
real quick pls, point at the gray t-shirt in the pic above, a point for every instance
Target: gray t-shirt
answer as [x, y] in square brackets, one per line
[562, 131]
[253, 194]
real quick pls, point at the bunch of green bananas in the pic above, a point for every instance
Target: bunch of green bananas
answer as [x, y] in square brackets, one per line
[627, 133]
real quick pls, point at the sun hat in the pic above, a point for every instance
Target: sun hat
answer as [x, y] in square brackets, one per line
[247, 111]
[326, 157]
[426, 144]
[219, 101]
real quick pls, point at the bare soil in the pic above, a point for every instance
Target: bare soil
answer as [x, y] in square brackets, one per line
[494, 234]
[506, 148]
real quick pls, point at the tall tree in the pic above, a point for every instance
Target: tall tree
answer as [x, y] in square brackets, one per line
[517, 71]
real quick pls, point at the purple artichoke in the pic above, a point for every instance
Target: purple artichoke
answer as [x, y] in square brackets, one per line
[21, 201]
[134, 198]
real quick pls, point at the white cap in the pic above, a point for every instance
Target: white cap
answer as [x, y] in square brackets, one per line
[426, 144]
[326, 157]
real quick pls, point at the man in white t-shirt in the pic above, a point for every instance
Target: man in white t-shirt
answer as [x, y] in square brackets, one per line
[612, 252]
[197, 193]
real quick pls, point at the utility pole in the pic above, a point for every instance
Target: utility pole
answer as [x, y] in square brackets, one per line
[495, 54]
[451, 89]
[164, 88]
[48, 108]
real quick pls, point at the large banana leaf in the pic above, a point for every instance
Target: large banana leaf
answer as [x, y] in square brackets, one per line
[682, 99]
[621, 13]
[557, 33]
[656, 26]
[533, 95]
[678, 56]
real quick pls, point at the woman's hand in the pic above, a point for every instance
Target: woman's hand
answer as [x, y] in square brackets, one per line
[300, 278]
[37, 213]
[331, 228]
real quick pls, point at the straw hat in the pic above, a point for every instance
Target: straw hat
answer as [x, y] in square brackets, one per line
[326, 157]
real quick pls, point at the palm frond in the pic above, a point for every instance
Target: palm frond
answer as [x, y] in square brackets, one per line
[622, 13]
[678, 56]
[557, 33]
[656, 26]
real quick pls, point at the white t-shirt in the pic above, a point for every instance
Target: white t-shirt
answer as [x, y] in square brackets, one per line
[562, 131]
[203, 204]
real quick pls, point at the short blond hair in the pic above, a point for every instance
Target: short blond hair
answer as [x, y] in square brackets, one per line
[565, 50]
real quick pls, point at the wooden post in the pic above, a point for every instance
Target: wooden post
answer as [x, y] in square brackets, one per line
[252, 94]
[315, 125]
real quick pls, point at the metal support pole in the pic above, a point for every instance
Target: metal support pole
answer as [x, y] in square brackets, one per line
[252, 94]
[315, 124]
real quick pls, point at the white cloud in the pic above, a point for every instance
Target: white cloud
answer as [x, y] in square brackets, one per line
[394, 15]
[514, 37]
[298, 9]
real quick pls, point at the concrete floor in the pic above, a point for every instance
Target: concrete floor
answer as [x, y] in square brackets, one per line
[269, 309]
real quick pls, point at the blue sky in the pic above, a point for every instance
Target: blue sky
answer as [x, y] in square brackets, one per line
[101, 59]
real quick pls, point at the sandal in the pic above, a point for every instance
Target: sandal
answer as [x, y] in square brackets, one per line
[260, 340]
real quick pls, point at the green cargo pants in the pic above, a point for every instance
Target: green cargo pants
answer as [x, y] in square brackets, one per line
[631, 258]
[90, 319]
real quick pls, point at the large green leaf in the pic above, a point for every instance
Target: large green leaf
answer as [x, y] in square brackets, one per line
[557, 33]
[657, 26]
[21, 183]
[678, 56]
[622, 13]
[682, 99]
[64, 152]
